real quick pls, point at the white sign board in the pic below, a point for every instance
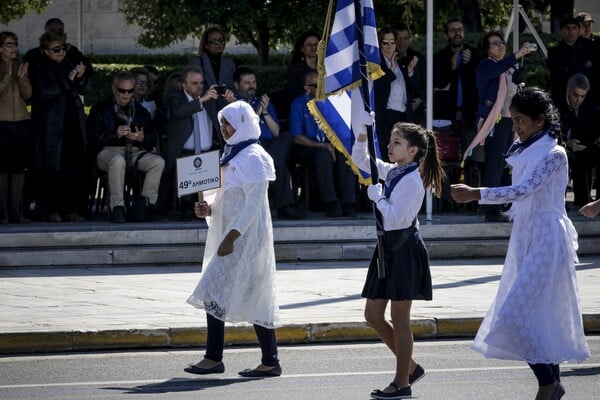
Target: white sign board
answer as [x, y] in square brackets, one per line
[198, 173]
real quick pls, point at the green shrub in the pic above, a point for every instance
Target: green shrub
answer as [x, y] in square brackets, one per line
[269, 78]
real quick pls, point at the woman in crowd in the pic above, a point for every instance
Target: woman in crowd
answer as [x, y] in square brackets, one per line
[414, 166]
[536, 316]
[217, 69]
[495, 89]
[392, 91]
[238, 277]
[15, 126]
[304, 60]
[58, 128]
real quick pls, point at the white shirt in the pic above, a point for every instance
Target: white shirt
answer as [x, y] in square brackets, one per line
[398, 97]
[204, 124]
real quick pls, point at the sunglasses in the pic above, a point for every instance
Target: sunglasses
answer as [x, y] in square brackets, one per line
[58, 49]
[128, 91]
[11, 45]
[498, 43]
[388, 42]
[311, 85]
[216, 41]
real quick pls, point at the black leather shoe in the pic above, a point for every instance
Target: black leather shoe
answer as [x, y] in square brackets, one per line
[217, 369]
[289, 212]
[117, 214]
[255, 373]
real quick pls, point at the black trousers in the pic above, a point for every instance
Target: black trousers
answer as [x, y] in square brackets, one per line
[546, 374]
[215, 341]
[495, 173]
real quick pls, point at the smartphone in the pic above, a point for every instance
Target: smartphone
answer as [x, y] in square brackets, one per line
[221, 90]
[532, 46]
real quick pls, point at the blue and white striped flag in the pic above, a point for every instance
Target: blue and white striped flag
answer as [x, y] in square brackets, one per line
[338, 105]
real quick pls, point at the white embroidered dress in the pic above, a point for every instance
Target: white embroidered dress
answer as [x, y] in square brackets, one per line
[536, 316]
[240, 287]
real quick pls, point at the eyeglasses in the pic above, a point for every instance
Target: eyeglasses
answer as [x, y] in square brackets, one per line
[216, 41]
[497, 43]
[58, 49]
[11, 45]
[388, 42]
[141, 82]
[456, 30]
[123, 91]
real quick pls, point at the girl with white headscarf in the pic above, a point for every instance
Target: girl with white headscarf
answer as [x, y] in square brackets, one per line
[237, 283]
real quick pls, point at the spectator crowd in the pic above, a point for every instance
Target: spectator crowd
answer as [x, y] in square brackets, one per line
[54, 157]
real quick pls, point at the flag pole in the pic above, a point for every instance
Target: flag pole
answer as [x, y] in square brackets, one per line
[371, 142]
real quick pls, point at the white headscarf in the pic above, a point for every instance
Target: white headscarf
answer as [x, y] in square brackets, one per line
[253, 162]
[243, 119]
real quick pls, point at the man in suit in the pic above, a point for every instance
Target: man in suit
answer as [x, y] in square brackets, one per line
[192, 127]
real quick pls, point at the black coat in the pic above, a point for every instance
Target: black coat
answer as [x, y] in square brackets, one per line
[445, 82]
[101, 127]
[56, 111]
[181, 125]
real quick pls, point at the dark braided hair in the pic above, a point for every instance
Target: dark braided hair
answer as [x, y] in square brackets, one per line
[534, 102]
[427, 155]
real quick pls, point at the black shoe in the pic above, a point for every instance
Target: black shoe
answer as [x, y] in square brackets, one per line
[289, 212]
[332, 210]
[150, 212]
[399, 393]
[349, 210]
[117, 214]
[416, 376]
[559, 392]
[217, 369]
[255, 373]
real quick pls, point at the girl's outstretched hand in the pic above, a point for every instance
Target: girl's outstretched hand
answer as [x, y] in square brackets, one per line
[590, 210]
[463, 193]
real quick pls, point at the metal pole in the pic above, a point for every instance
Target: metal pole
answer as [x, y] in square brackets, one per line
[429, 101]
[515, 27]
[80, 26]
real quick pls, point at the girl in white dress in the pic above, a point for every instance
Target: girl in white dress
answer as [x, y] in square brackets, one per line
[237, 283]
[536, 316]
[414, 165]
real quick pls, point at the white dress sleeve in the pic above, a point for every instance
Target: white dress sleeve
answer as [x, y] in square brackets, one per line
[254, 193]
[549, 165]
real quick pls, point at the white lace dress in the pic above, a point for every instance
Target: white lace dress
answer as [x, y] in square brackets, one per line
[536, 316]
[239, 287]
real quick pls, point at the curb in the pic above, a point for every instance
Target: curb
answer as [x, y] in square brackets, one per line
[65, 341]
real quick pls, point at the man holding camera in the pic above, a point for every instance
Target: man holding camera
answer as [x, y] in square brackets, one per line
[192, 128]
[120, 131]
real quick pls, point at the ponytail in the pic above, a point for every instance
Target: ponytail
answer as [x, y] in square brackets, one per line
[431, 167]
[427, 156]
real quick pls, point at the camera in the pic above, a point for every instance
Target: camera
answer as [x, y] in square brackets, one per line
[532, 46]
[221, 90]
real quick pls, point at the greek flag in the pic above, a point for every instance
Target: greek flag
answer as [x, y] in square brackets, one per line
[339, 100]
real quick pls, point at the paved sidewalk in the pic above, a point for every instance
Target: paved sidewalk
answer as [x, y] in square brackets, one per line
[115, 308]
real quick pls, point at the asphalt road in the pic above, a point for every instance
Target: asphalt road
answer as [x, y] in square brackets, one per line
[336, 371]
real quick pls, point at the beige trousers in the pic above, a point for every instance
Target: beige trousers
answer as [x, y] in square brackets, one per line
[112, 160]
